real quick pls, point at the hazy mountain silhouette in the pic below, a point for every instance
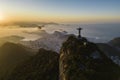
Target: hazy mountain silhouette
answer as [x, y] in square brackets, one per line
[115, 42]
[14, 39]
[109, 50]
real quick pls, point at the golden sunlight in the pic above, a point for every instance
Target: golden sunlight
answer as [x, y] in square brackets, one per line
[1, 17]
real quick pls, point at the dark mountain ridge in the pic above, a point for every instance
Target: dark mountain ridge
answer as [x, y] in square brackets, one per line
[43, 66]
[12, 55]
[79, 59]
[83, 60]
[115, 42]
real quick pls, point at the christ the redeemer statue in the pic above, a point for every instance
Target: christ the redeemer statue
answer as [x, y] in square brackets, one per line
[79, 32]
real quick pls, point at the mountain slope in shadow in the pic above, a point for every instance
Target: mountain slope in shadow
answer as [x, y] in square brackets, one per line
[43, 66]
[10, 56]
[83, 60]
[115, 42]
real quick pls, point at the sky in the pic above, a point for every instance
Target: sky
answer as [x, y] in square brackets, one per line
[60, 10]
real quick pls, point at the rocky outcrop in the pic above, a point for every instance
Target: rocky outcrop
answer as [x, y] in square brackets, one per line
[83, 60]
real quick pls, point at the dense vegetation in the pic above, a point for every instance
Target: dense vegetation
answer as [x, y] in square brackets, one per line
[10, 56]
[43, 66]
[83, 60]
[79, 60]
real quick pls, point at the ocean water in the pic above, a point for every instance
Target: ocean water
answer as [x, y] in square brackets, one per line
[100, 32]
